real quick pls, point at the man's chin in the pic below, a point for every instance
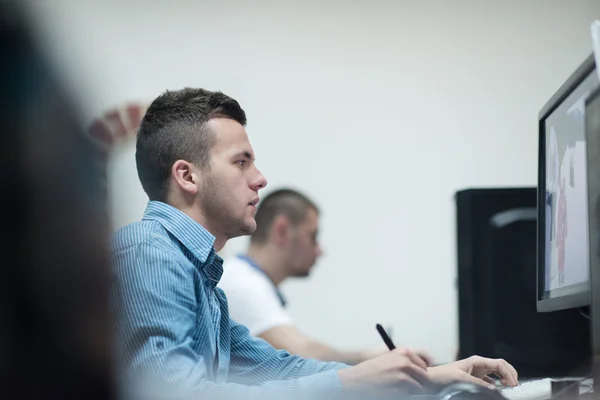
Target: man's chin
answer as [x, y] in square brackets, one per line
[248, 228]
[302, 274]
[241, 227]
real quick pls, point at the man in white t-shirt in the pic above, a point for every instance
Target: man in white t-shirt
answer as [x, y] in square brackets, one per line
[284, 245]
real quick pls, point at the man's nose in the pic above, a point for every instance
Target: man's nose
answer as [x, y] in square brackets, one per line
[259, 182]
[319, 251]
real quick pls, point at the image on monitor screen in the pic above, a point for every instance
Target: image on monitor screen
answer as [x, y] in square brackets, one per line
[566, 234]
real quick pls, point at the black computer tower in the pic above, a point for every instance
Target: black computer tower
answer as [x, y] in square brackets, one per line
[496, 232]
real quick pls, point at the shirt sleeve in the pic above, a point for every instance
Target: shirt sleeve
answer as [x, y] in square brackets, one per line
[155, 304]
[252, 300]
[255, 360]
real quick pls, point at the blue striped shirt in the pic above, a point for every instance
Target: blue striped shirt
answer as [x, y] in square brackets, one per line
[173, 323]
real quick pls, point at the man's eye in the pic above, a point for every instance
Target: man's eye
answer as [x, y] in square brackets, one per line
[241, 162]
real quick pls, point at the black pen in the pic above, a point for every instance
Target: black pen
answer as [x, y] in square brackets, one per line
[385, 337]
[388, 341]
[430, 387]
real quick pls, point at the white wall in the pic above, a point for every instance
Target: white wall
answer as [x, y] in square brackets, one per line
[379, 110]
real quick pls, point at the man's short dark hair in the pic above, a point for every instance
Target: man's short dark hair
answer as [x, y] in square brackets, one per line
[174, 128]
[291, 203]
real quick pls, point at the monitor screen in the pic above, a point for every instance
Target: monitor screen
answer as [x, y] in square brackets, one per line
[565, 244]
[593, 165]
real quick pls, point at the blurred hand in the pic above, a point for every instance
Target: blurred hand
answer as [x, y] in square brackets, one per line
[425, 356]
[475, 369]
[399, 369]
[118, 124]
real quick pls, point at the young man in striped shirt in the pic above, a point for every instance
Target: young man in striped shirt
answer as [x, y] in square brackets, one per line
[197, 166]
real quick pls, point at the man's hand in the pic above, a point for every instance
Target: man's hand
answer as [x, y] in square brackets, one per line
[399, 369]
[475, 369]
[425, 356]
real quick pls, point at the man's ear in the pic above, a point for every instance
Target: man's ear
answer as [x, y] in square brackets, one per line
[281, 230]
[186, 176]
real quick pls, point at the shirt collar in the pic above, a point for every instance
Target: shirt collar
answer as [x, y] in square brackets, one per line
[257, 267]
[191, 234]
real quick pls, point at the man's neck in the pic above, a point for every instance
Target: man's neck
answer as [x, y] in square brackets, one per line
[269, 262]
[198, 216]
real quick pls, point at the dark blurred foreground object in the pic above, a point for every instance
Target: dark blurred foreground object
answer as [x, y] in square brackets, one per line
[54, 331]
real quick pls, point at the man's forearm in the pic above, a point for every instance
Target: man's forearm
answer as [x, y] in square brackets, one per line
[321, 351]
[289, 338]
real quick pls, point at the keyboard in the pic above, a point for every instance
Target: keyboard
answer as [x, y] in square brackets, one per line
[539, 389]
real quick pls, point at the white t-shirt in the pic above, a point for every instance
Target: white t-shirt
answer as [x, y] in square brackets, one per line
[252, 297]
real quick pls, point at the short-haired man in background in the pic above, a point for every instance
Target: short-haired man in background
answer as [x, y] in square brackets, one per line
[284, 245]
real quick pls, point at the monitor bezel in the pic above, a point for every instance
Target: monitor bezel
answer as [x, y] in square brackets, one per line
[579, 299]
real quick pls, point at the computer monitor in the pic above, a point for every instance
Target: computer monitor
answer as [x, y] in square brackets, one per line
[562, 234]
[592, 116]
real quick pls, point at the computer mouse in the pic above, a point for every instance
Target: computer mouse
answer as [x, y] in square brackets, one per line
[468, 391]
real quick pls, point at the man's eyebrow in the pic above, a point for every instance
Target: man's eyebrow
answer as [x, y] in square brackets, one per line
[246, 154]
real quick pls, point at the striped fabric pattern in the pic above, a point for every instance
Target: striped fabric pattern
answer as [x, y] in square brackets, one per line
[172, 322]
